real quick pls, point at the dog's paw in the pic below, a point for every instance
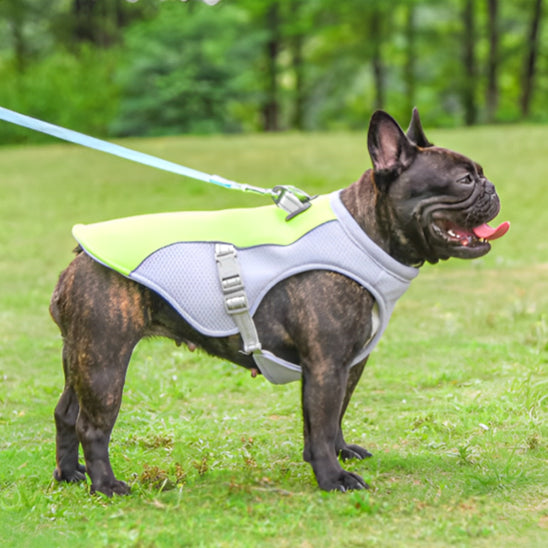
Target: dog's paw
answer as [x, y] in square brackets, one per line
[349, 481]
[113, 488]
[71, 476]
[354, 452]
[342, 481]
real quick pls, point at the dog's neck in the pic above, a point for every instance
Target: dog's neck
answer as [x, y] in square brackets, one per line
[371, 210]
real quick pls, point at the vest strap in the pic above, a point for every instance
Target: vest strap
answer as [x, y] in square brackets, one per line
[235, 297]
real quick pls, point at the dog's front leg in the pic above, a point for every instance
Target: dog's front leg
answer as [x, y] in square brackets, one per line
[323, 392]
[327, 331]
[345, 450]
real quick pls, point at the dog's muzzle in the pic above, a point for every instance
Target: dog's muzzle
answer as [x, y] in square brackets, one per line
[458, 228]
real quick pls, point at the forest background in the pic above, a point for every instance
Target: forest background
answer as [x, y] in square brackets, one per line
[161, 67]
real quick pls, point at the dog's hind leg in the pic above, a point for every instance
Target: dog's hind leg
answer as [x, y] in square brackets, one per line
[99, 361]
[102, 316]
[68, 468]
[66, 412]
[100, 397]
[345, 450]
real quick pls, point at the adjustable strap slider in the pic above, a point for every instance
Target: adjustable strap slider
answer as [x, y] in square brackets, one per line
[236, 304]
[235, 297]
[234, 283]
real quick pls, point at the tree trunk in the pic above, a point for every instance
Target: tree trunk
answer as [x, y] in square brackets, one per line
[469, 57]
[410, 57]
[298, 71]
[492, 98]
[271, 106]
[13, 12]
[84, 20]
[531, 59]
[297, 38]
[376, 59]
[19, 44]
[99, 21]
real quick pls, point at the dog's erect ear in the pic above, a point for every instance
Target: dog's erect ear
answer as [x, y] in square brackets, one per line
[415, 131]
[390, 149]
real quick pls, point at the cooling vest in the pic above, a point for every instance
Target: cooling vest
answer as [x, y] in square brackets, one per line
[174, 255]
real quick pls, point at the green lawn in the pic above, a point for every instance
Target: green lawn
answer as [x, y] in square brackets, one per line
[452, 405]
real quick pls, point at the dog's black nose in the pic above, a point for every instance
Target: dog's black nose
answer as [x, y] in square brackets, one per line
[488, 186]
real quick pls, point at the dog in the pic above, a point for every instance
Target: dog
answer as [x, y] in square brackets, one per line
[420, 203]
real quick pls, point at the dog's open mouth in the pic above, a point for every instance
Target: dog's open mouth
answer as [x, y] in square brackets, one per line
[465, 237]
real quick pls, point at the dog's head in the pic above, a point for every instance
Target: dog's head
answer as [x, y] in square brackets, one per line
[437, 201]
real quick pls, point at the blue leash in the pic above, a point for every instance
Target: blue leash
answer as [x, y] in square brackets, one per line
[289, 198]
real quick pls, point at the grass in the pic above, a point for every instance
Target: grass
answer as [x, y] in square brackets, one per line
[452, 404]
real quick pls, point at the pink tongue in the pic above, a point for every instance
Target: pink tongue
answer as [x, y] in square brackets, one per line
[489, 233]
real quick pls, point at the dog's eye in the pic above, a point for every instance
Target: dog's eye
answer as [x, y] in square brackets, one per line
[466, 180]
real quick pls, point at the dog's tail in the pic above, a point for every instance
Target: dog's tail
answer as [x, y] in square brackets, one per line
[55, 304]
[58, 297]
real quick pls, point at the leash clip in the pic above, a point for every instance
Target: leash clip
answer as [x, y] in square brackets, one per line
[291, 199]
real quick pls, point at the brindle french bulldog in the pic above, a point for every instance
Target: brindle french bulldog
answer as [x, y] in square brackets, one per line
[419, 203]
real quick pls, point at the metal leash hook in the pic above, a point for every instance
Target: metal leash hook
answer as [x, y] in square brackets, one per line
[291, 199]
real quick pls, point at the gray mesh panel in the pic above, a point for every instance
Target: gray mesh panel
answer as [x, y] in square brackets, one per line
[185, 273]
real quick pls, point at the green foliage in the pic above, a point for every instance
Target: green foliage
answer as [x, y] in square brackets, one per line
[181, 71]
[452, 404]
[152, 67]
[75, 91]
